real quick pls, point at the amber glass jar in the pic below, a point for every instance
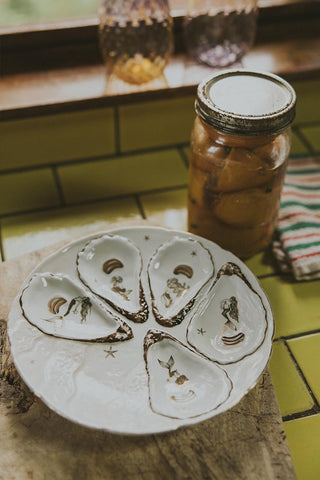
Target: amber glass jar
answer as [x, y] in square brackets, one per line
[240, 145]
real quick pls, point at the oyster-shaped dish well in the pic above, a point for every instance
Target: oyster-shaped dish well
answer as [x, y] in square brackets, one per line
[182, 384]
[177, 271]
[110, 266]
[232, 322]
[57, 306]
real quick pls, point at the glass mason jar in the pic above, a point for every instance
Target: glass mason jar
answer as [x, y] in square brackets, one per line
[135, 38]
[240, 146]
[218, 33]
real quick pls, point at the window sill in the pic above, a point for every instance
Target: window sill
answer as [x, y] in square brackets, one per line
[288, 44]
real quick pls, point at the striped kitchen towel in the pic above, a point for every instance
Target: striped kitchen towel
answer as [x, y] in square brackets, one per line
[297, 246]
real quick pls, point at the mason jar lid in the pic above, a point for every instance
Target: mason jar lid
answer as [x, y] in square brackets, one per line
[244, 102]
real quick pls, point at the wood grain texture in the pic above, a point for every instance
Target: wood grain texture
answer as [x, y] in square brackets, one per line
[246, 442]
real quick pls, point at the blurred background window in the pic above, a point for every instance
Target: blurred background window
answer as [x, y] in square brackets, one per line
[18, 12]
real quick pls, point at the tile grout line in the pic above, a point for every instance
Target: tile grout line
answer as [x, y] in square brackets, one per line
[2, 254]
[297, 415]
[140, 207]
[297, 335]
[58, 186]
[117, 137]
[281, 275]
[95, 158]
[305, 141]
[316, 403]
[267, 275]
[312, 123]
[114, 155]
[296, 156]
[93, 201]
[183, 157]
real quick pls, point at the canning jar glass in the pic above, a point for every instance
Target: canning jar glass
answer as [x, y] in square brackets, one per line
[135, 38]
[219, 33]
[240, 146]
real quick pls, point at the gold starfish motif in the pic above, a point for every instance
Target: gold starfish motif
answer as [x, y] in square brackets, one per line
[110, 352]
[201, 331]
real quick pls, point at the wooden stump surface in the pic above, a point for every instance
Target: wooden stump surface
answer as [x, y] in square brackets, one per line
[246, 442]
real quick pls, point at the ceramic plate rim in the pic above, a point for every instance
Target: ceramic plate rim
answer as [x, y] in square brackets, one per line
[121, 231]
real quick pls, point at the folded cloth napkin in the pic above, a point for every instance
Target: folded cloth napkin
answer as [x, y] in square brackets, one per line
[297, 243]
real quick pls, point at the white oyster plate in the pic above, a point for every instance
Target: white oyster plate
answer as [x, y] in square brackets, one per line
[58, 306]
[110, 266]
[182, 384]
[177, 272]
[233, 317]
[157, 380]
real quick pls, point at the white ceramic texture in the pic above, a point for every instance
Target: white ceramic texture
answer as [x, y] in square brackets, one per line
[177, 272]
[182, 384]
[233, 317]
[106, 385]
[111, 267]
[58, 306]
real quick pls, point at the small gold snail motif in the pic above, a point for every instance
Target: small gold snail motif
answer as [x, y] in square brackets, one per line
[111, 265]
[183, 270]
[55, 304]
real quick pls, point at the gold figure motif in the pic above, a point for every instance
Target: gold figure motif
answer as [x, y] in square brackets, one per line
[117, 288]
[230, 311]
[173, 287]
[83, 302]
[174, 374]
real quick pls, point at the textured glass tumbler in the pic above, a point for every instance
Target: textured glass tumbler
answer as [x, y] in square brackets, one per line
[219, 33]
[135, 38]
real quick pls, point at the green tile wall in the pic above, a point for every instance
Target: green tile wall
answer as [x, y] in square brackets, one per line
[27, 191]
[157, 123]
[121, 176]
[56, 138]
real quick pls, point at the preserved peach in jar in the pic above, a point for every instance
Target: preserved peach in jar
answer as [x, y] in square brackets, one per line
[240, 146]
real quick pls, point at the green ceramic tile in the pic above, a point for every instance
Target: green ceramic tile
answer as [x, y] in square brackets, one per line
[295, 305]
[52, 139]
[297, 147]
[312, 134]
[27, 191]
[308, 101]
[25, 233]
[168, 209]
[262, 263]
[307, 353]
[156, 123]
[292, 393]
[123, 175]
[303, 437]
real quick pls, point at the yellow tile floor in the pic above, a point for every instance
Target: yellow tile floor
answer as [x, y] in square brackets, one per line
[51, 191]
